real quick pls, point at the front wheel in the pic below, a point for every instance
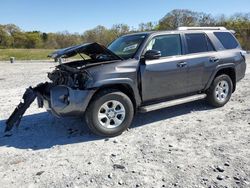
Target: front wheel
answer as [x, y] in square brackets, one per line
[220, 91]
[109, 113]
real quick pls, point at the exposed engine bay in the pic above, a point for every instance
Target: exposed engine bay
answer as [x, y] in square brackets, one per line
[65, 92]
[72, 77]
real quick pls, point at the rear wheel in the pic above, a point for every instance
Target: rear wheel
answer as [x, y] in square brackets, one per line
[109, 113]
[220, 91]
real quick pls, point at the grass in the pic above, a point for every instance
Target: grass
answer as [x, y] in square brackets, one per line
[25, 54]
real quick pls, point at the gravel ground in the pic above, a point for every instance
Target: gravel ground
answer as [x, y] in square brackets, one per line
[191, 145]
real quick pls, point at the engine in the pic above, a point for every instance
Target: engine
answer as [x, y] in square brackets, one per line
[72, 77]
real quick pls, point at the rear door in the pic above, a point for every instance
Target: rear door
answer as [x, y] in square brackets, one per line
[166, 76]
[201, 60]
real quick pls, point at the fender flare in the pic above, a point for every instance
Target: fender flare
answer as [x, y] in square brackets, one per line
[119, 81]
[218, 68]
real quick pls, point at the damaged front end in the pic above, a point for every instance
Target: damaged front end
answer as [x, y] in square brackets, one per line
[63, 96]
[67, 93]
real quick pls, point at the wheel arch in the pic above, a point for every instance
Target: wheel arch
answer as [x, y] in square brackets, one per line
[122, 87]
[228, 70]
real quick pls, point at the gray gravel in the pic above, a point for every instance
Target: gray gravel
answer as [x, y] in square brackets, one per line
[191, 145]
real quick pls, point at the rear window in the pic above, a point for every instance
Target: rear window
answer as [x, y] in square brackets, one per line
[227, 40]
[198, 42]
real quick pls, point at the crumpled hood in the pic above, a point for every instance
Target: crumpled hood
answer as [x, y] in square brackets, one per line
[90, 49]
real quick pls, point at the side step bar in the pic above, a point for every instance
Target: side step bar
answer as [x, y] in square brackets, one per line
[172, 103]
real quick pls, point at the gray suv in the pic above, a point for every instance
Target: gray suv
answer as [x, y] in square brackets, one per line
[139, 72]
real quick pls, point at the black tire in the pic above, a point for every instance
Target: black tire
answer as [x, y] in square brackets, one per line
[91, 115]
[212, 96]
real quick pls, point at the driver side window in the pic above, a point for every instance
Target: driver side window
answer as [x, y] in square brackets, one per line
[168, 45]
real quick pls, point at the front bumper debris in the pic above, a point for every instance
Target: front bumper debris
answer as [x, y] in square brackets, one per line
[28, 97]
[60, 100]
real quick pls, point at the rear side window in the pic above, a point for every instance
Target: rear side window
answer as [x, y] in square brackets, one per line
[198, 42]
[227, 40]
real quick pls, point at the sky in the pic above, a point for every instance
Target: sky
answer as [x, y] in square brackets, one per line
[81, 15]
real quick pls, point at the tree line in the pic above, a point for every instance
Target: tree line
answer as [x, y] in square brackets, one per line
[11, 36]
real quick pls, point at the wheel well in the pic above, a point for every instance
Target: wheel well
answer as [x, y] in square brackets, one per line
[231, 73]
[124, 88]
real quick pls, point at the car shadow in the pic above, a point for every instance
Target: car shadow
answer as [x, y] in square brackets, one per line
[43, 131]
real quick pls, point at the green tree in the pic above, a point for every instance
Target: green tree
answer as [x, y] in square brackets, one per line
[5, 38]
[44, 37]
[99, 34]
[19, 39]
[183, 17]
[12, 29]
[33, 40]
[149, 26]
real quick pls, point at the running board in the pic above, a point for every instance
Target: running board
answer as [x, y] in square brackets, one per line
[172, 103]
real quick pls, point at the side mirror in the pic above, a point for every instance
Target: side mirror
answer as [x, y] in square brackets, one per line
[152, 54]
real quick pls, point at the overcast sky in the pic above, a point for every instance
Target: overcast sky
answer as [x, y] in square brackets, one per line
[80, 15]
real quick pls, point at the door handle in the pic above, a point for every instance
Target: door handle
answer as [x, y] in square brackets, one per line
[181, 64]
[214, 60]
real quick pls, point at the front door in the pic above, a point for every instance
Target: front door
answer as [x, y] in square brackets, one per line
[166, 76]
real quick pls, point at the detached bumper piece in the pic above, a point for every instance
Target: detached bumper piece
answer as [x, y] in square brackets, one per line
[28, 97]
[60, 100]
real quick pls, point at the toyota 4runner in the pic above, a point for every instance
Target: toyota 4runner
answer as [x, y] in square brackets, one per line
[139, 72]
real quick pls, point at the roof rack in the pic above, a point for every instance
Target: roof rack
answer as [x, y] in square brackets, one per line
[201, 28]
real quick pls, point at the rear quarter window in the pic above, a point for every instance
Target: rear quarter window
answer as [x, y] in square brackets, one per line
[227, 40]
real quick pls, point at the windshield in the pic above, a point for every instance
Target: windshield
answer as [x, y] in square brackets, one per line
[127, 46]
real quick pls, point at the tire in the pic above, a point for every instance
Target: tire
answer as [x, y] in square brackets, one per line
[220, 91]
[109, 113]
